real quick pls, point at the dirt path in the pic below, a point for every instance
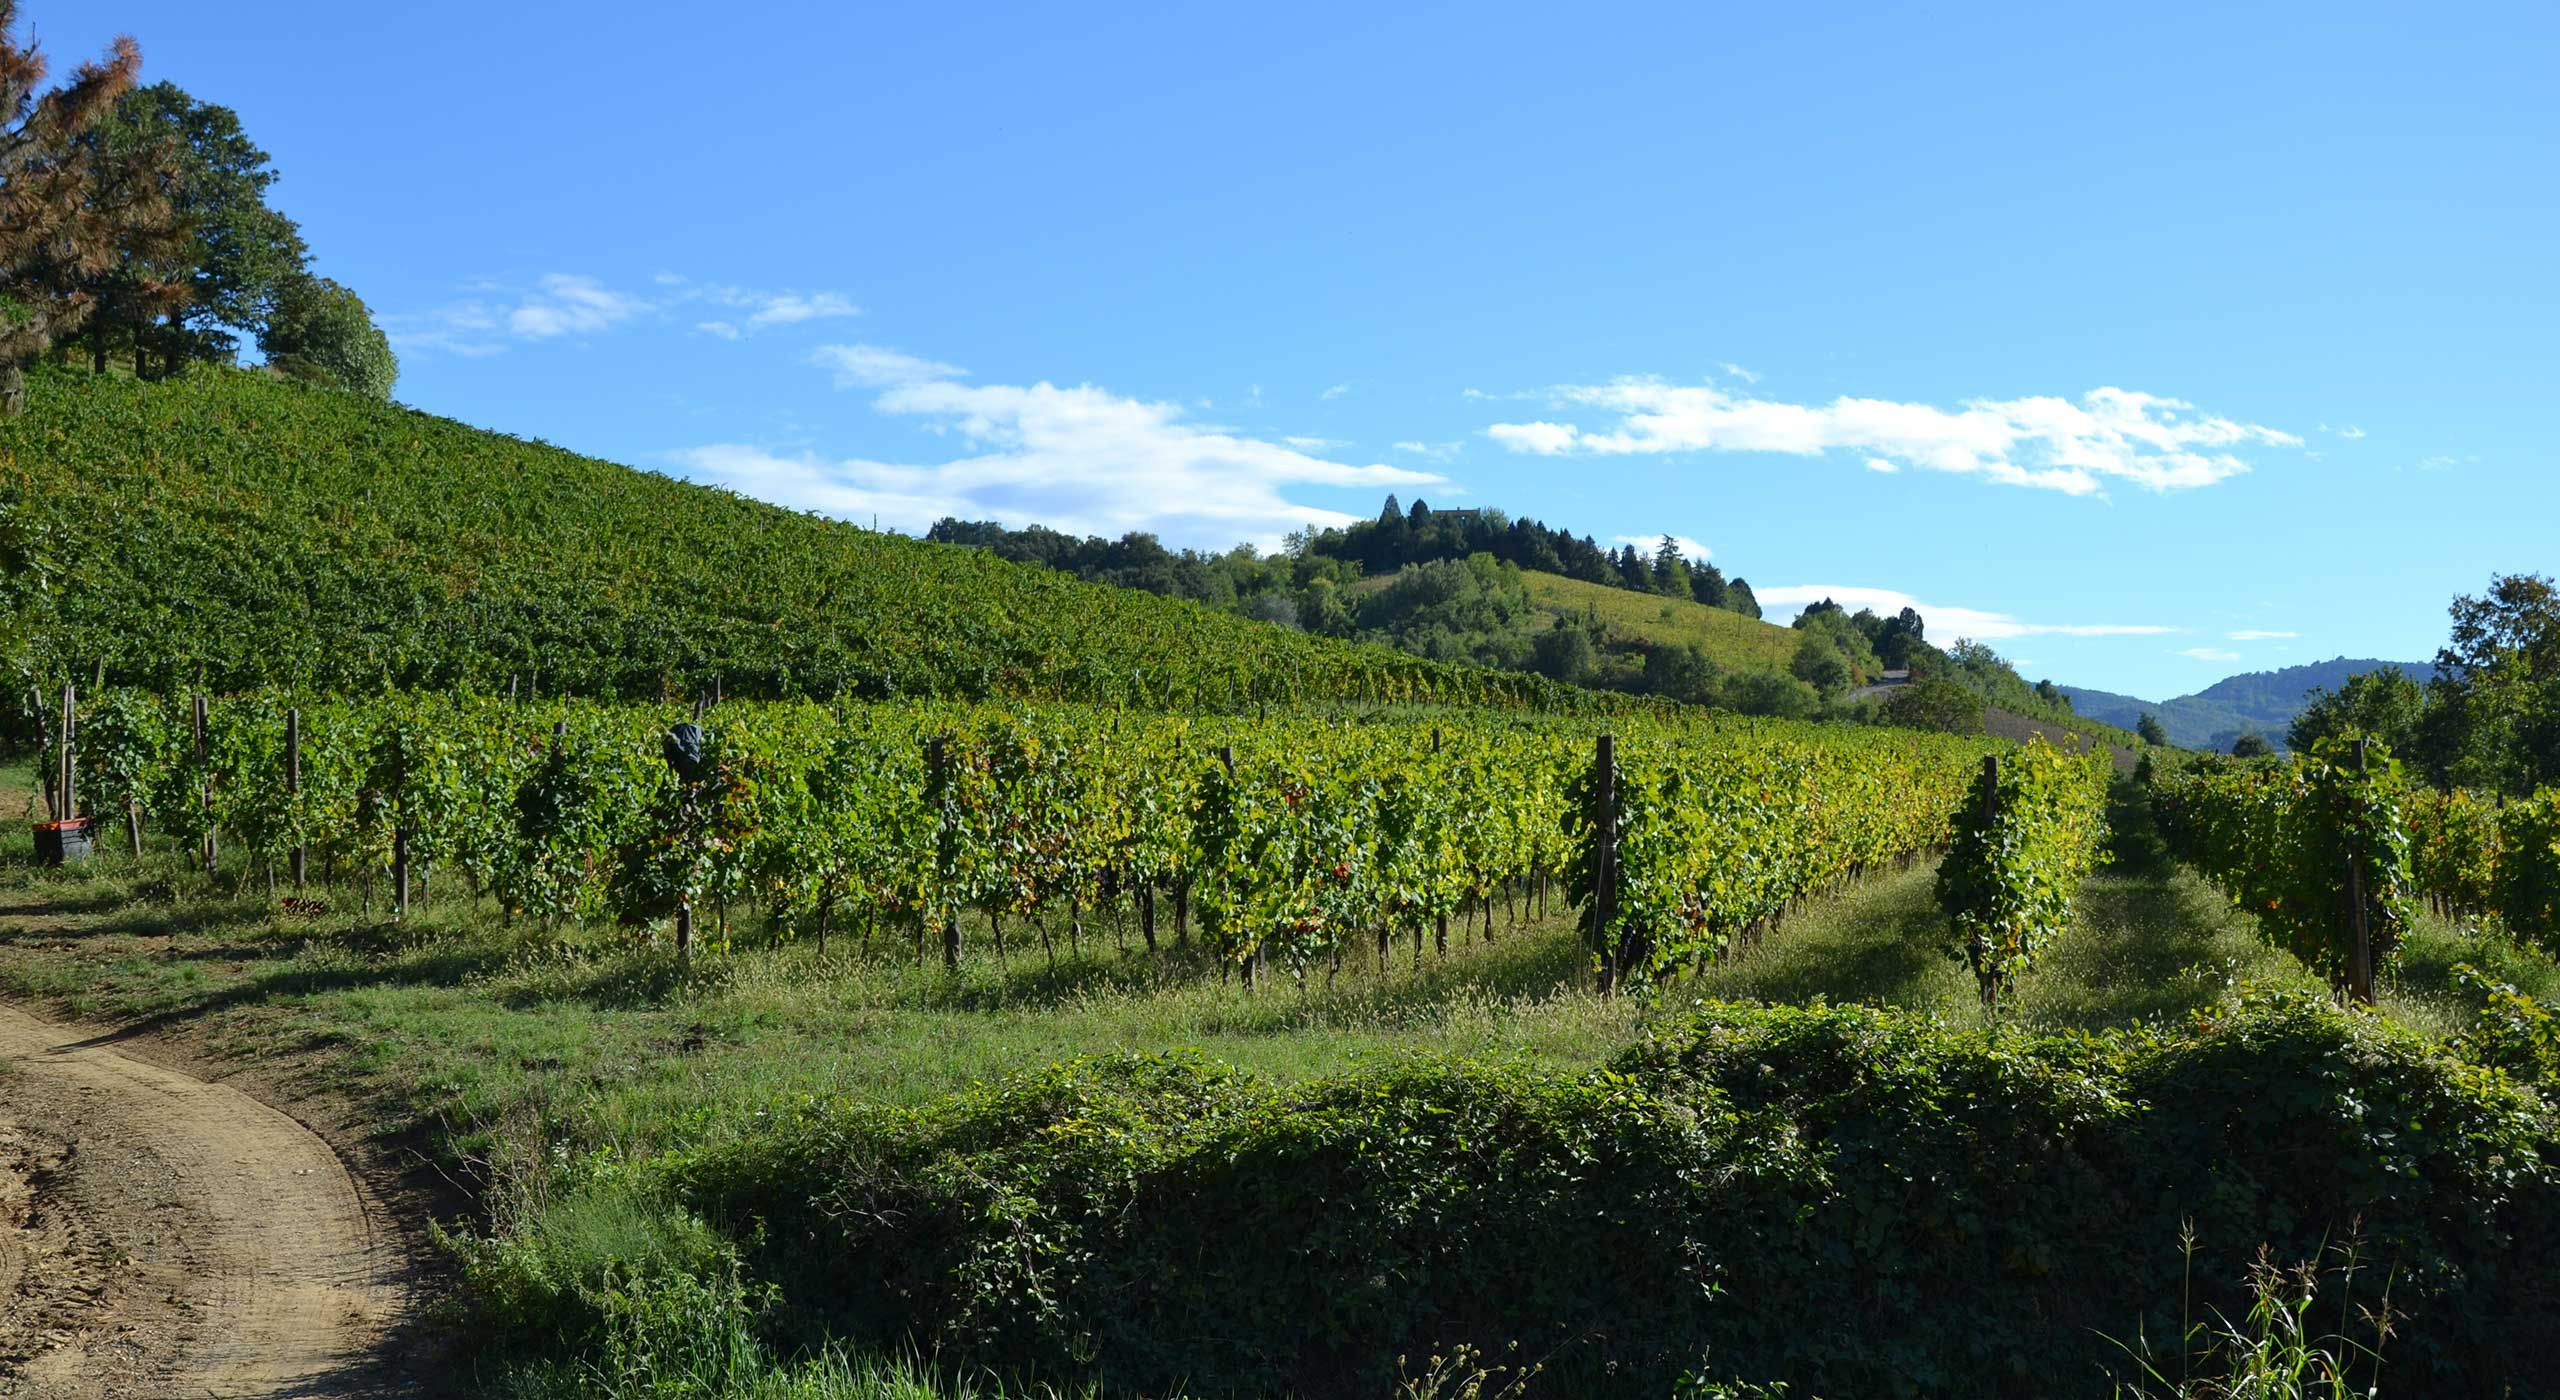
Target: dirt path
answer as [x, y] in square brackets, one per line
[161, 1235]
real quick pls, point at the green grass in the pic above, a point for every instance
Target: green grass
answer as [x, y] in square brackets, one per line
[1729, 639]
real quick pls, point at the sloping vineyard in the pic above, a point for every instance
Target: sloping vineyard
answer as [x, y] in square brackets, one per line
[1286, 842]
[231, 530]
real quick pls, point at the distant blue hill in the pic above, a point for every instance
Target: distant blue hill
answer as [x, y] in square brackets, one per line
[2261, 702]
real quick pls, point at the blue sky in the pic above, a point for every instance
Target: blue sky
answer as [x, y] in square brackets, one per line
[2151, 345]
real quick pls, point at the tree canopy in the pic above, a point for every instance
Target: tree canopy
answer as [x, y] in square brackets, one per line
[63, 219]
[321, 331]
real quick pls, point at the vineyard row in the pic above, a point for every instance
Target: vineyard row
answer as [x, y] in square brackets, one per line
[1287, 840]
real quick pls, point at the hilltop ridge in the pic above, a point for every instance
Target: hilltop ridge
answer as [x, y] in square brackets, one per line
[2253, 702]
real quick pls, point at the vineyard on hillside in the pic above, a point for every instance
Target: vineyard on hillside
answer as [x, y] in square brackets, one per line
[1288, 842]
[232, 530]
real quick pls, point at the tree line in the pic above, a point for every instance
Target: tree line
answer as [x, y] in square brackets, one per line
[1421, 535]
[135, 232]
[2489, 718]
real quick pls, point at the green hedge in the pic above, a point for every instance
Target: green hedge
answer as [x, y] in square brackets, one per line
[1856, 1203]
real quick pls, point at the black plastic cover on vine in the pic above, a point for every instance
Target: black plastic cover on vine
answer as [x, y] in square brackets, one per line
[684, 751]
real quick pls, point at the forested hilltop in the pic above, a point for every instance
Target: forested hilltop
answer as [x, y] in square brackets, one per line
[1486, 588]
[234, 528]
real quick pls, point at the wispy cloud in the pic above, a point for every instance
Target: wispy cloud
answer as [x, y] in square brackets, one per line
[2209, 654]
[1436, 451]
[2254, 634]
[1943, 621]
[876, 367]
[2073, 446]
[1738, 372]
[2349, 431]
[1080, 459]
[1689, 548]
[1337, 391]
[1314, 444]
[493, 315]
[765, 310]
[572, 304]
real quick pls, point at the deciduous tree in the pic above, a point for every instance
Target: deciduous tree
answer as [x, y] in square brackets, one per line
[323, 332]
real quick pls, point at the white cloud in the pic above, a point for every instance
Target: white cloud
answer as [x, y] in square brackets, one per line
[569, 303]
[2209, 654]
[2054, 443]
[1545, 439]
[1337, 391]
[1079, 459]
[765, 310]
[1315, 444]
[2350, 432]
[1881, 464]
[1436, 451]
[492, 315]
[873, 367]
[1689, 548]
[2253, 634]
[1739, 372]
[1943, 622]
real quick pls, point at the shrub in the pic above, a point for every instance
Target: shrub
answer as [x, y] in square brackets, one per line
[1986, 1209]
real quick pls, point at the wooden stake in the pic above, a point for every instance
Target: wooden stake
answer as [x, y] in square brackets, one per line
[1604, 892]
[2359, 923]
[70, 781]
[212, 847]
[301, 857]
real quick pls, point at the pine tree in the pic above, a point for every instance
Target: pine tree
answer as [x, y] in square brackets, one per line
[61, 222]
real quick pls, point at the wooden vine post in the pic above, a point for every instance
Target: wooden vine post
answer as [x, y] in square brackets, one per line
[2359, 913]
[1440, 920]
[67, 781]
[300, 856]
[937, 763]
[1227, 756]
[1604, 884]
[204, 756]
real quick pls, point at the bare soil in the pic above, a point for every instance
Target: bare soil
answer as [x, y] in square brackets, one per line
[163, 1235]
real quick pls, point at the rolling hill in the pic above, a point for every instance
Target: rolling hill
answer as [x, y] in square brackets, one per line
[1729, 639]
[231, 528]
[2261, 702]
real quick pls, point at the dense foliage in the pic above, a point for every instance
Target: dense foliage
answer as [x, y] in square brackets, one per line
[2293, 841]
[1707, 853]
[1298, 840]
[320, 331]
[257, 532]
[1989, 1211]
[1403, 536]
[2027, 834]
[1481, 608]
